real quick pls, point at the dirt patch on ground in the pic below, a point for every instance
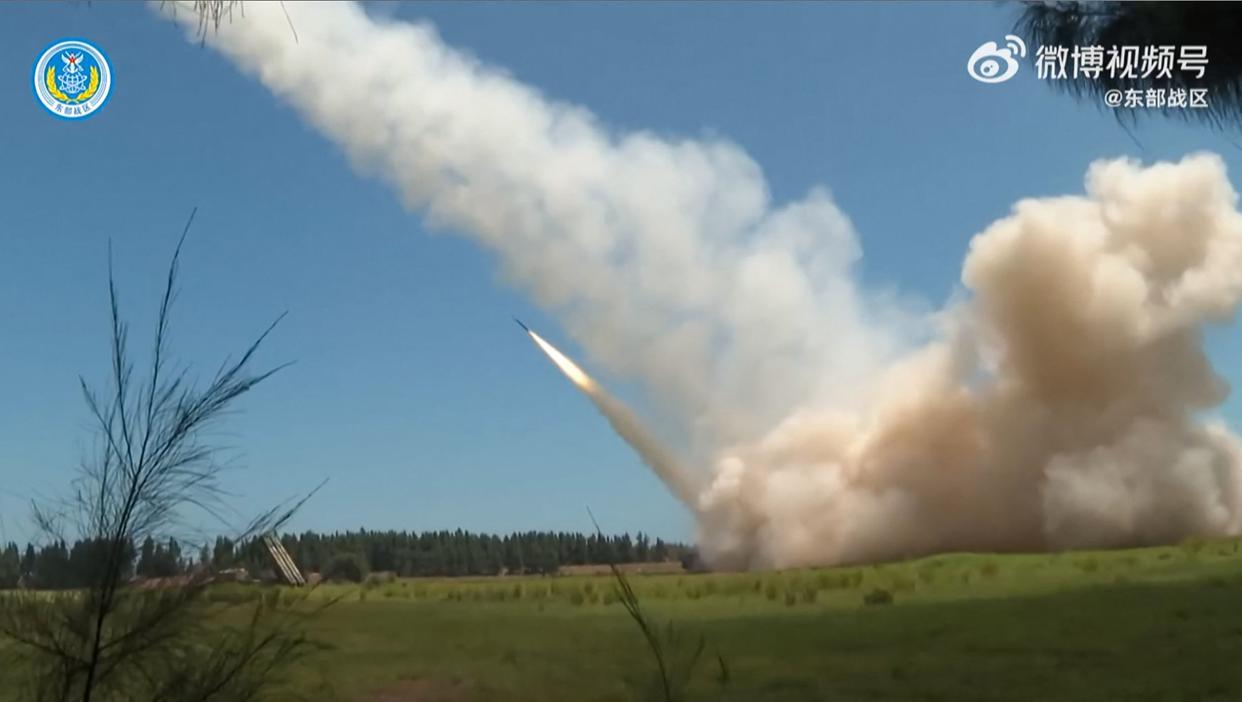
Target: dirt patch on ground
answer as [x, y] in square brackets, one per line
[653, 568]
[423, 690]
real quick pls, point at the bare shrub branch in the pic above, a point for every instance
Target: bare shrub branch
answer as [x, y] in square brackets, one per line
[117, 640]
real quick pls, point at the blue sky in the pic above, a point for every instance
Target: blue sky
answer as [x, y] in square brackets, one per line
[411, 390]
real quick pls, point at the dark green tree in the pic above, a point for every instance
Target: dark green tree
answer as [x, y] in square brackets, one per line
[28, 560]
[147, 558]
[222, 553]
[10, 566]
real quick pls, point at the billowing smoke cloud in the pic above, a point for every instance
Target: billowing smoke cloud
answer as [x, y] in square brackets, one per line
[1060, 412]
[1057, 407]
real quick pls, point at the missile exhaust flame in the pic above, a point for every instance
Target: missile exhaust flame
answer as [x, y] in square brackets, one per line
[566, 366]
[624, 422]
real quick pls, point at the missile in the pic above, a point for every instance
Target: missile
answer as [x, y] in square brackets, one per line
[623, 421]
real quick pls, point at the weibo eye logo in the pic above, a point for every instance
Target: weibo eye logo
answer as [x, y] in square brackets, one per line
[992, 64]
[72, 79]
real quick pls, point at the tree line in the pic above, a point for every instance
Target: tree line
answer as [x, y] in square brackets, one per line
[342, 556]
[58, 566]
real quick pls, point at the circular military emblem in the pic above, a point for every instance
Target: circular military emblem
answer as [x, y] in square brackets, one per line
[72, 79]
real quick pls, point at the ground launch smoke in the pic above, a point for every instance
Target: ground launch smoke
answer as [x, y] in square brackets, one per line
[1058, 406]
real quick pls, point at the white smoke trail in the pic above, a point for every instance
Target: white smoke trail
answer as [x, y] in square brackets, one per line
[1058, 410]
[665, 258]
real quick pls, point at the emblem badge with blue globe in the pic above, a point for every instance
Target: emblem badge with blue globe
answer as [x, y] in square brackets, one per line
[72, 79]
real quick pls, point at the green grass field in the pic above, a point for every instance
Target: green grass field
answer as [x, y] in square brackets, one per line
[1149, 624]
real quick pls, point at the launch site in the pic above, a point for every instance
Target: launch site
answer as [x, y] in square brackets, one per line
[620, 351]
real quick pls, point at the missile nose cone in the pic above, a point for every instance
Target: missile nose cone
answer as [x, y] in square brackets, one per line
[523, 326]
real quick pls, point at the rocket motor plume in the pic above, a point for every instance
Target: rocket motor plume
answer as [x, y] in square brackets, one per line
[566, 366]
[624, 422]
[1058, 402]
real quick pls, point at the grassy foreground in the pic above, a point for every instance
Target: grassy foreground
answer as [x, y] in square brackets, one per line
[1148, 624]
